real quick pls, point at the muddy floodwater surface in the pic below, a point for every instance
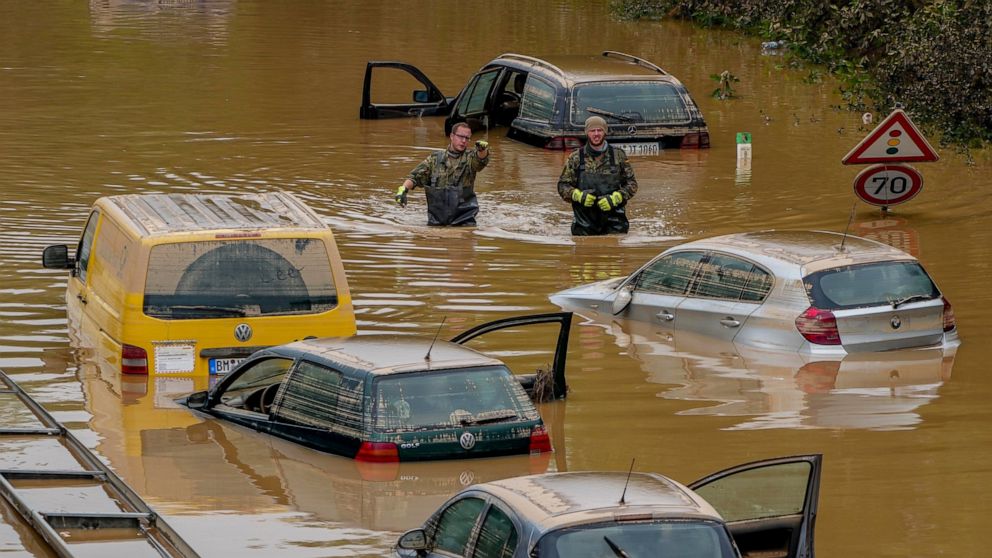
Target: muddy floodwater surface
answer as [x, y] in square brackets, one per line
[112, 96]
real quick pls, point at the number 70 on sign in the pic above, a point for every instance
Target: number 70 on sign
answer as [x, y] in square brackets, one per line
[886, 185]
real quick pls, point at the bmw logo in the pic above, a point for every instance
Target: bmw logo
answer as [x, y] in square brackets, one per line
[895, 322]
[467, 440]
[242, 332]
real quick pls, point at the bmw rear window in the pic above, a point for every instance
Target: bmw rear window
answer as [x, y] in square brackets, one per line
[450, 399]
[678, 538]
[631, 102]
[239, 278]
[874, 284]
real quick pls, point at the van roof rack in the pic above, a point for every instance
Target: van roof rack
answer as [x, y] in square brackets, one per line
[532, 60]
[57, 525]
[635, 59]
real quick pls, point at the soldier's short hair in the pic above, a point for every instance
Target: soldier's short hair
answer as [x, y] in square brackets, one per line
[459, 125]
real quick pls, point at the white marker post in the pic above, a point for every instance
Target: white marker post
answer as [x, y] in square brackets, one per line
[744, 150]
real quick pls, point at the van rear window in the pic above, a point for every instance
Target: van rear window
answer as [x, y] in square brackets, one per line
[234, 278]
[874, 284]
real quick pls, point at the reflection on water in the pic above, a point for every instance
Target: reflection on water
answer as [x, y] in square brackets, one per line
[877, 391]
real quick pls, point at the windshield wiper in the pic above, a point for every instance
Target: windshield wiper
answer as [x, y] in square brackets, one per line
[490, 416]
[619, 552]
[910, 298]
[209, 310]
[602, 112]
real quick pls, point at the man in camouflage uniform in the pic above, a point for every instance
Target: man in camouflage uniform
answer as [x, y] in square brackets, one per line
[598, 181]
[448, 178]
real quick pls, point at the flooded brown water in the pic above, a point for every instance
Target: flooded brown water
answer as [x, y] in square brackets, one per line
[116, 96]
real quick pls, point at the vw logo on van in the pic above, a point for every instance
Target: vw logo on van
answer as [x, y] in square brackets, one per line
[895, 322]
[242, 332]
[467, 440]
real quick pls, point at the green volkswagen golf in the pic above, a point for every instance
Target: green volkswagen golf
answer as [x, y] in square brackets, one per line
[383, 398]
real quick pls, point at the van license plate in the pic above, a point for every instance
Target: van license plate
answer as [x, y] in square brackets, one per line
[223, 365]
[652, 148]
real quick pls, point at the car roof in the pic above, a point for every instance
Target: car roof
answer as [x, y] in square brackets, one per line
[579, 68]
[161, 214]
[386, 354]
[810, 250]
[553, 500]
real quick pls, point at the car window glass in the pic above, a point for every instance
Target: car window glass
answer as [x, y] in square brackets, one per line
[651, 539]
[474, 99]
[538, 102]
[759, 283]
[869, 285]
[250, 382]
[86, 245]
[237, 278]
[670, 274]
[722, 277]
[455, 525]
[316, 395]
[449, 398]
[764, 492]
[649, 102]
[497, 538]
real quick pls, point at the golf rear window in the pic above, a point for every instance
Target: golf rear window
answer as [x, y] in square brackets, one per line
[874, 284]
[450, 399]
[239, 278]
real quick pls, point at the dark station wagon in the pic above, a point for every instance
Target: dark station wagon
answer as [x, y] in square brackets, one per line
[546, 101]
[387, 398]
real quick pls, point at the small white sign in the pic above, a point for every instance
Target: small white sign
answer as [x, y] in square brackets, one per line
[174, 358]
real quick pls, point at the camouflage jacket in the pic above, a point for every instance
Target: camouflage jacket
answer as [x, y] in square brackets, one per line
[443, 170]
[597, 163]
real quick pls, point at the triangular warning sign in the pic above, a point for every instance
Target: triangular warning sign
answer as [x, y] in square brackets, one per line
[894, 140]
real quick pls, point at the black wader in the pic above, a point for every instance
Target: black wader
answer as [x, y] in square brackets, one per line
[450, 204]
[591, 221]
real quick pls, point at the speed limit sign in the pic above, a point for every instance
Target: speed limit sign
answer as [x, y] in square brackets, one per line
[886, 185]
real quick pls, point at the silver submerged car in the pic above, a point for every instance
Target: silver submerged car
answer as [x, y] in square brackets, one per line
[765, 508]
[814, 292]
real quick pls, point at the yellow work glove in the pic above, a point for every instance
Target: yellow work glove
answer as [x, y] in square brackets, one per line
[584, 198]
[610, 202]
[401, 195]
[482, 145]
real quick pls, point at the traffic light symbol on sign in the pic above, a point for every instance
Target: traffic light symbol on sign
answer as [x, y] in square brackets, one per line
[894, 140]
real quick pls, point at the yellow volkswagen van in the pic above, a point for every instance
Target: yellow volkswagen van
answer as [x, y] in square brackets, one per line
[191, 284]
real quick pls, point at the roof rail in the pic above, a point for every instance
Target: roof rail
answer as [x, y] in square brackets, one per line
[532, 60]
[636, 60]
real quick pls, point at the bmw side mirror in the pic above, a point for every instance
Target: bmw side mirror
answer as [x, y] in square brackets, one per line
[57, 257]
[624, 295]
[196, 400]
[414, 539]
[421, 96]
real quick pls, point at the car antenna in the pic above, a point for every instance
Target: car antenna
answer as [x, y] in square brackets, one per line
[427, 357]
[847, 228]
[624, 494]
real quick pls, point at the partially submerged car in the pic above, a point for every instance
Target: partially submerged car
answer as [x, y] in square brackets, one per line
[765, 508]
[814, 292]
[383, 398]
[546, 101]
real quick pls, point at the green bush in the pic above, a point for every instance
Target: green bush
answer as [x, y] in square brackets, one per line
[933, 56]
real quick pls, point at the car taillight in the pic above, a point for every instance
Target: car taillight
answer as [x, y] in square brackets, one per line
[818, 326]
[948, 316]
[134, 360]
[563, 142]
[695, 140]
[378, 452]
[539, 440]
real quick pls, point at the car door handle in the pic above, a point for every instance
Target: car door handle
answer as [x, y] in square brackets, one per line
[665, 315]
[729, 321]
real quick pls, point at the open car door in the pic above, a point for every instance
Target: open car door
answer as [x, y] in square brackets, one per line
[564, 319]
[769, 506]
[424, 102]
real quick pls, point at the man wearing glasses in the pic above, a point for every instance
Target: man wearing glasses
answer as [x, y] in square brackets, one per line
[448, 178]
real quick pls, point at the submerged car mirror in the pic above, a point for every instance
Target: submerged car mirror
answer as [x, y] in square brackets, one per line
[624, 295]
[196, 400]
[56, 257]
[421, 96]
[414, 539]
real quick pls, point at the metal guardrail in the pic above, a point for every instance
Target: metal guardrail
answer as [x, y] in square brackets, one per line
[135, 522]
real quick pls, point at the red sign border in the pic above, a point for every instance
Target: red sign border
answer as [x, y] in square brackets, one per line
[897, 116]
[863, 176]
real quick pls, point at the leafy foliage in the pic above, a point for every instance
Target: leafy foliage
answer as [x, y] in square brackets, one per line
[933, 56]
[726, 89]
